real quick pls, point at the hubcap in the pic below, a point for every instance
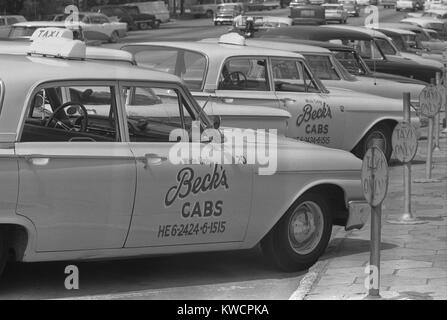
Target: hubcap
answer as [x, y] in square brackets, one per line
[306, 227]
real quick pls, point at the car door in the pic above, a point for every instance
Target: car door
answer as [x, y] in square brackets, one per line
[245, 81]
[180, 199]
[313, 119]
[77, 177]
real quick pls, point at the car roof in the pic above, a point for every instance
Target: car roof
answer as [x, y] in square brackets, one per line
[287, 46]
[60, 24]
[422, 20]
[217, 50]
[394, 31]
[441, 11]
[402, 26]
[93, 53]
[368, 31]
[316, 33]
[313, 43]
[37, 70]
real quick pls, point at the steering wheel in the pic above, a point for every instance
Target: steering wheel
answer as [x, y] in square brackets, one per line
[84, 118]
[235, 79]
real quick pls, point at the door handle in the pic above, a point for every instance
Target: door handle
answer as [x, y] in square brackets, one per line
[37, 160]
[152, 159]
[287, 100]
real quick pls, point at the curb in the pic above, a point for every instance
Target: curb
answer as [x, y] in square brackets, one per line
[313, 276]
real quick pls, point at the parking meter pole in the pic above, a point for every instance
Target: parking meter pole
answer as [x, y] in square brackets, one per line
[428, 163]
[437, 118]
[376, 213]
[444, 123]
[407, 217]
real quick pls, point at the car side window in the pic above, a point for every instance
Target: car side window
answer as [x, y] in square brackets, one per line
[72, 114]
[290, 76]
[2, 22]
[153, 113]
[246, 74]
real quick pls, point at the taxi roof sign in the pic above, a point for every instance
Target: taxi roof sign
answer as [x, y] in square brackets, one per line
[56, 42]
[232, 38]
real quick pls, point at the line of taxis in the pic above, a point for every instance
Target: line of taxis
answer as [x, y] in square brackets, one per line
[87, 138]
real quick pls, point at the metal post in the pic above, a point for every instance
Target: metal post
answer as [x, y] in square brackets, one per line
[428, 163]
[445, 105]
[407, 217]
[437, 118]
[376, 213]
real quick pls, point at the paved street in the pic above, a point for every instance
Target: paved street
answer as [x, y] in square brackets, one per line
[414, 257]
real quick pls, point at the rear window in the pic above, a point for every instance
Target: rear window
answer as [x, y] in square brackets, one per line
[19, 32]
[190, 66]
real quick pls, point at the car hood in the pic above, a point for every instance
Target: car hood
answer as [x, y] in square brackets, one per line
[394, 77]
[383, 87]
[422, 60]
[422, 64]
[356, 101]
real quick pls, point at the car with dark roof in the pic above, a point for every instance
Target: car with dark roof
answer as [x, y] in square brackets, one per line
[366, 45]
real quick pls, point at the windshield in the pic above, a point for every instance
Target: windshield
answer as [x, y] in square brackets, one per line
[386, 47]
[351, 62]
[367, 48]
[322, 67]
[190, 66]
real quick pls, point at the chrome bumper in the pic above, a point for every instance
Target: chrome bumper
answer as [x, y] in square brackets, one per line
[359, 212]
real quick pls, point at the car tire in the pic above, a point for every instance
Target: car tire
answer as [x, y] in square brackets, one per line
[143, 26]
[3, 252]
[382, 131]
[115, 37]
[281, 245]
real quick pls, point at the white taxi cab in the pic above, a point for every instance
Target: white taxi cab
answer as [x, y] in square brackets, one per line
[87, 172]
[234, 73]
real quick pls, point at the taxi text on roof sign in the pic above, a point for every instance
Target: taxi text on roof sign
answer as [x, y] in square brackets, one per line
[56, 42]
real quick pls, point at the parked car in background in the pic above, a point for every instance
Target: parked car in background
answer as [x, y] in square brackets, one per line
[413, 5]
[226, 12]
[131, 15]
[308, 14]
[205, 8]
[388, 3]
[439, 26]
[407, 42]
[94, 26]
[351, 6]
[436, 13]
[298, 3]
[262, 23]
[6, 23]
[236, 74]
[335, 12]
[156, 8]
[332, 73]
[428, 38]
[368, 47]
[364, 2]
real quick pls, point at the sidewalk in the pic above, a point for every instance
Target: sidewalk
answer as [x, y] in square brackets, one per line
[413, 257]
